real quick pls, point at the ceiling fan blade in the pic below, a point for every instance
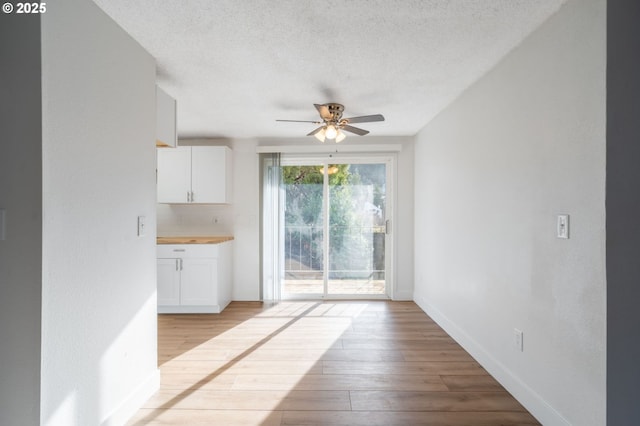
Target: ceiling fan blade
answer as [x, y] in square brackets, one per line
[365, 118]
[301, 121]
[315, 131]
[355, 130]
[324, 111]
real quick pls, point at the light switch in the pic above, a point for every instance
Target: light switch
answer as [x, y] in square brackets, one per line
[141, 226]
[2, 224]
[562, 226]
[518, 339]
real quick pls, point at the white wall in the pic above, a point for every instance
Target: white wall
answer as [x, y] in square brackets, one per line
[242, 218]
[21, 197]
[404, 222]
[99, 301]
[525, 143]
[246, 226]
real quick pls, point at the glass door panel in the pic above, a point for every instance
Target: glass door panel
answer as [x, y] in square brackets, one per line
[356, 250]
[334, 229]
[303, 230]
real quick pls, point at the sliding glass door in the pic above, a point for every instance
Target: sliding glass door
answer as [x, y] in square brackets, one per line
[357, 231]
[304, 255]
[336, 239]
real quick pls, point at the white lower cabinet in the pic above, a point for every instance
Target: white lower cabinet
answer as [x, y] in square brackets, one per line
[168, 282]
[198, 282]
[194, 278]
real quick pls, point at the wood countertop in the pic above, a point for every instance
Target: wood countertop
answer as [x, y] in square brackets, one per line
[193, 240]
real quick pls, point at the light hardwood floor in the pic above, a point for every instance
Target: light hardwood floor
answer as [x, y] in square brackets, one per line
[344, 363]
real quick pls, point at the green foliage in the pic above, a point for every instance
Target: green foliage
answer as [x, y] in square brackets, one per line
[304, 193]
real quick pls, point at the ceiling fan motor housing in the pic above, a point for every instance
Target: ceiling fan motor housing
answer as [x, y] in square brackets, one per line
[335, 110]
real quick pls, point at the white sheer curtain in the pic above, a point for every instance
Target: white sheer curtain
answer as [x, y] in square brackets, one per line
[272, 226]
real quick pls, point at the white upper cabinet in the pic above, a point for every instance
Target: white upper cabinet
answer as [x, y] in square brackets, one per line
[174, 175]
[211, 164]
[166, 134]
[194, 174]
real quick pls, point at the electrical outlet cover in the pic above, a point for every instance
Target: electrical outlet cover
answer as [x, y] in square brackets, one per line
[518, 337]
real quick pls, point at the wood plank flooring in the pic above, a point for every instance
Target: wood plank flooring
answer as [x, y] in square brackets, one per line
[346, 363]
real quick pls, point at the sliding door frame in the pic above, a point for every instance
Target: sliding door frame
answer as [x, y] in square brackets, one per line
[390, 161]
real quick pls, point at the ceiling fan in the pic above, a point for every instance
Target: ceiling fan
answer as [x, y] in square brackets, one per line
[332, 124]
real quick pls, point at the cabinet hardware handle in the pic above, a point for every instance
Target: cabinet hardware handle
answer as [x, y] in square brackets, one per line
[179, 249]
[188, 197]
[176, 264]
[181, 264]
[387, 226]
[192, 199]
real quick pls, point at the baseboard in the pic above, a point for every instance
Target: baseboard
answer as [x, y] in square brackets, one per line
[402, 296]
[204, 309]
[132, 403]
[532, 401]
[224, 305]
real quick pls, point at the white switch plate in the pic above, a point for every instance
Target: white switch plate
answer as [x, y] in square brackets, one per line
[562, 226]
[2, 224]
[518, 337]
[141, 226]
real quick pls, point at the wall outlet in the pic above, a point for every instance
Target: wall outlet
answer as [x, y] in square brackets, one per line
[518, 337]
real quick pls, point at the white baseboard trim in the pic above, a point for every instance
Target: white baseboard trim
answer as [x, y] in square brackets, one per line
[204, 309]
[132, 403]
[532, 401]
[402, 296]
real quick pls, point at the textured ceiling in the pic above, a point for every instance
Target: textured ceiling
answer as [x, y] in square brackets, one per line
[235, 66]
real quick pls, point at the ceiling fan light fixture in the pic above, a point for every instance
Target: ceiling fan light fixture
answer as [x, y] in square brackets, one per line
[333, 126]
[330, 132]
[330, 169]
[320, 135]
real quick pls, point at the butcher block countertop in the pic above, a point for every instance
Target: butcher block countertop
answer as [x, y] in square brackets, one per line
[193, 240]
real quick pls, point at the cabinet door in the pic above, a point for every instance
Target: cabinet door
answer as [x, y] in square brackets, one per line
[168, 282]
[209, 170]
[198, 282]
[174, 174]
[165, 119]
